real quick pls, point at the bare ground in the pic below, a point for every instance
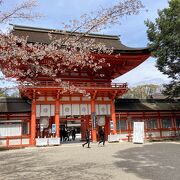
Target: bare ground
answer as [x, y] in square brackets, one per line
[126, 161]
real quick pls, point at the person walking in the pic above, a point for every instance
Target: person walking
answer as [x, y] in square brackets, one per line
[101, 136]
[66, 137]
[87, 139]
[61, 134]
[73, 132]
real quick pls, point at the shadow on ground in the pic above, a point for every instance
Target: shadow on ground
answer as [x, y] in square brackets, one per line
[159, 161]
[42, 163]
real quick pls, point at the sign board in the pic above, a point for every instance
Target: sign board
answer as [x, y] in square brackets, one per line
[41, 128]
[138, 132]
[53, 128]
[111, 125]
[93, 115]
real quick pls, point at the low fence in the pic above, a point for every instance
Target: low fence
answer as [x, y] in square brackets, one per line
[14, 141]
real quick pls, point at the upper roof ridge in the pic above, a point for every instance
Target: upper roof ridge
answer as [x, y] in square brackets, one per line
[57, 31]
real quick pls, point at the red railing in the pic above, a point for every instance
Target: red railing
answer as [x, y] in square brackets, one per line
[50, 84]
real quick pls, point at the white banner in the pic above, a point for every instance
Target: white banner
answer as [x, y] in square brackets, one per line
[45, 110]
[138, 132]
[75, 109]
[66, 110]
[84, 109]
[102, 109]
[10, 129]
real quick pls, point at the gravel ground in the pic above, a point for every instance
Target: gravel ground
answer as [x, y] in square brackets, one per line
[122, 161]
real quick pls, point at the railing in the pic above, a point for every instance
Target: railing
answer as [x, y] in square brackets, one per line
[7, 141]
[51, 84]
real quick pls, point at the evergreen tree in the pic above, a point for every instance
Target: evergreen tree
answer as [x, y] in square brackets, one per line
[164, 37]
[3, 94]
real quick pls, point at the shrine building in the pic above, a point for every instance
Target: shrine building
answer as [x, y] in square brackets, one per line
[43, 110]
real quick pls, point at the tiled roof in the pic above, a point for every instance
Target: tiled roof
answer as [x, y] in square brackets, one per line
[130, 105]
[14, 105]
[19, 105]
[41, 35]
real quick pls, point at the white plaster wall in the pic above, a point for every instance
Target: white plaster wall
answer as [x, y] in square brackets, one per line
[38, 111]
[65, 99]
[26, 141]
[50, 99]
[14, 141]
[154, 134]
[75, 98]
[2, 142]
[166, 133]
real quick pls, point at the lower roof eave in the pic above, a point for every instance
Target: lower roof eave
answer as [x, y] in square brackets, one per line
[28, 112]
[124, 111]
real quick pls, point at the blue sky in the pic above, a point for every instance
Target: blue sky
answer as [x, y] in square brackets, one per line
[132, 30]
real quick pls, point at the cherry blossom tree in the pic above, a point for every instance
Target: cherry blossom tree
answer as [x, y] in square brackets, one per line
[24, 60]
[20, 11]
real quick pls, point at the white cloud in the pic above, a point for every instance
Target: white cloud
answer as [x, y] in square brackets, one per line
[143, 73]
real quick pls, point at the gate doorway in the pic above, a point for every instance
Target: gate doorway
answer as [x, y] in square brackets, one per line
[72, 129]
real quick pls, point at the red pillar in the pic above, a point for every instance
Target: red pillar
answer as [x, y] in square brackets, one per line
[113, 116]
[83, 129]
[107, 127]
[33, 123]
[159, 124]
[94, 132]
[57, 111]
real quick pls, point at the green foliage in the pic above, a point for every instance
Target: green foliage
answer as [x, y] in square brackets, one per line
[9, 94]
[143, 91]
[3, 94]
[164, 37]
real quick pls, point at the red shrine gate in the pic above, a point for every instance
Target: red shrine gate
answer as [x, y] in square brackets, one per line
[51, 106]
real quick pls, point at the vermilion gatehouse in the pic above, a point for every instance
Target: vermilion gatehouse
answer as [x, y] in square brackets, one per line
[43, 104]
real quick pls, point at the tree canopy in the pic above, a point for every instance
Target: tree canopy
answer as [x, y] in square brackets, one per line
[164, 42]
[143, 91]
[69, 53]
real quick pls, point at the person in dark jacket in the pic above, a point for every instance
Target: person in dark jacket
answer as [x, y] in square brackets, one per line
[73, 132]
[101, 136]
[66, 135]
[87, 135]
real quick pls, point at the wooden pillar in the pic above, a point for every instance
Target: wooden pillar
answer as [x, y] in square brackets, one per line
[83, 129]
[174, 124]
[94, 132]
[33, 123]
[107, 127]
[145, 125]
[129, 125]
[57, 112]
[160, 124]
[119, 123]
[113, 116]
